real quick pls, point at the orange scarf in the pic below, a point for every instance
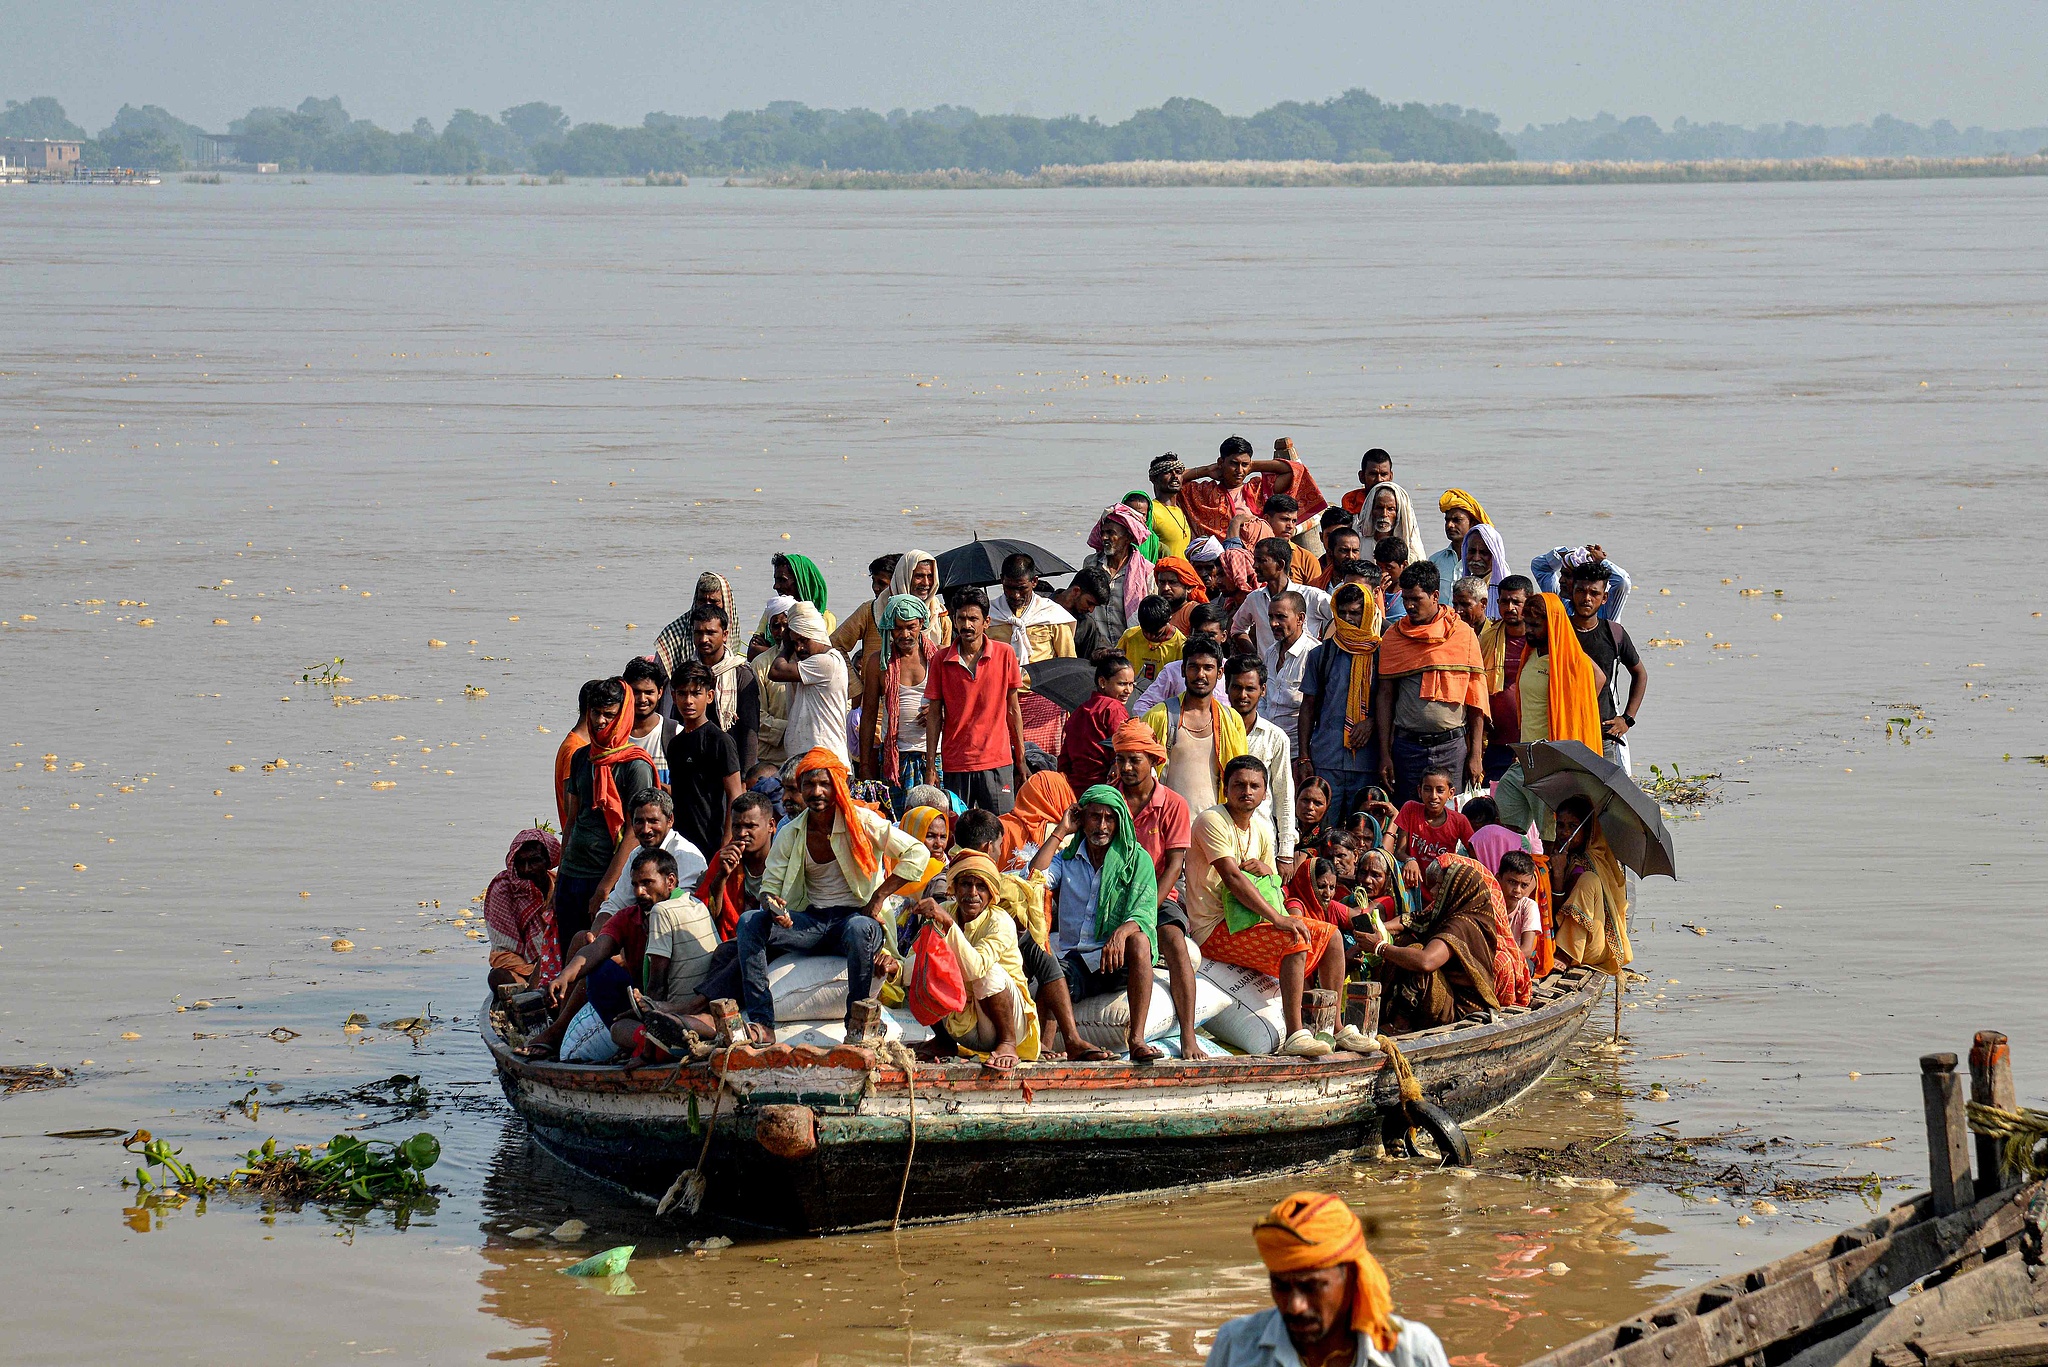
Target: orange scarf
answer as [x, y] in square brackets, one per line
[1311, 1230]
[1444, 652]
[607, 752]
[1041, 804]
[1574, 688]
[858, 843]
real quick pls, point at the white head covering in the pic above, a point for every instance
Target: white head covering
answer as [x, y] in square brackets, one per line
[1489, 538]
[778, 605]
[806, 621]
[1404, 522]
[899, 583]
[1204, 549]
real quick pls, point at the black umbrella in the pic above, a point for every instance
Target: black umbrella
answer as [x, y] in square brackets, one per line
[1066, 683]
[1630, 817]
[981, 562]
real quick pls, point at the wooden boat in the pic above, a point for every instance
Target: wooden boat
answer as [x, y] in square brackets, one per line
[1954, 1278]
[840, 1119]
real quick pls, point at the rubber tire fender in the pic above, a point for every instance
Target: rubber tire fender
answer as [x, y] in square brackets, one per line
[1434, 1121]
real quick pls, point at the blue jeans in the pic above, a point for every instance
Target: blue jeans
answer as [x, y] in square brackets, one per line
[816, 930]
[1347, 792]
[1412, 758]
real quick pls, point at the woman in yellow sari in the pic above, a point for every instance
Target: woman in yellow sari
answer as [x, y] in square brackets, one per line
[1590, 892]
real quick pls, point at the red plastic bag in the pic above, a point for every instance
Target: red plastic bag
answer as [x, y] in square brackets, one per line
[936, 988]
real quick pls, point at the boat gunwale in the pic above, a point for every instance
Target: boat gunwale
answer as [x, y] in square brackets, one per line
[1573, 990]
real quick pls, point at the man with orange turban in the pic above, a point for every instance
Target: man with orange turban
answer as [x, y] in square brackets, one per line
[1331, 1301]
[1557, 694]
[822, 890]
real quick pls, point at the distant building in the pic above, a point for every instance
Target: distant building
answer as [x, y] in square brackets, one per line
[266, 168]
[12, 173]
[41, 154]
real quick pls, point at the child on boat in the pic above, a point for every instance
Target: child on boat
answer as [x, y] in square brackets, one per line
[1517, 877]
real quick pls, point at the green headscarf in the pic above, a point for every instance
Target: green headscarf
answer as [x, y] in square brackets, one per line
[904, 607]
[1130, 885]
[1149, 547]
[810, 585]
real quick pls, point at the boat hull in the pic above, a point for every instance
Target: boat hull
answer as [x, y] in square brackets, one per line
[1051, 1134]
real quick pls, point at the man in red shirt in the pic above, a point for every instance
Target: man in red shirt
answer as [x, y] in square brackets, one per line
[1165, 828]
[975, 722]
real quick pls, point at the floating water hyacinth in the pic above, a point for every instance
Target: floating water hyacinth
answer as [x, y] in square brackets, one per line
[609, 1263]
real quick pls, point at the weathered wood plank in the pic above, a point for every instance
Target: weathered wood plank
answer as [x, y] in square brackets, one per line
[1991, 1085]
[1851, 1279]
[1948, 1134]
[2004, 1288]
[2017, 1343]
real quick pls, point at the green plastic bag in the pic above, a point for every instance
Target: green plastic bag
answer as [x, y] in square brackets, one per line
[1239, 917]
[609, 1263]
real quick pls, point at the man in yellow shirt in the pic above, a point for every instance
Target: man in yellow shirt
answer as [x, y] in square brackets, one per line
[1169, 521]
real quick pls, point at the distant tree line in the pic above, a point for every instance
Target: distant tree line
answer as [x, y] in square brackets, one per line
[1607, 138]
[319, 135]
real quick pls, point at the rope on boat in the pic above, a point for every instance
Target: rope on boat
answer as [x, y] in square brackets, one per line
[1411, 1090]
[690, 1183]
[2022, 1129]
[893, 1053]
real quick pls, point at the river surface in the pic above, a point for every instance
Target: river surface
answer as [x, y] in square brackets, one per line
[247, 430]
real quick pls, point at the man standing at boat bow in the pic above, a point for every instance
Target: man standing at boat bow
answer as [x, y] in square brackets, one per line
[1332, 1306]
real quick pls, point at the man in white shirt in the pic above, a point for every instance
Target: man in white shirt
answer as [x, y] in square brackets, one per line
[1272, 561]
[1285, 661]
[653, 822]
[1245, 677]
[816, 673]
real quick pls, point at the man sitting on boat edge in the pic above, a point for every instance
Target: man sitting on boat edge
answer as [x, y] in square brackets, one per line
[828, 873]
[999, 1018]
[1331, 1301]
[1108, 909]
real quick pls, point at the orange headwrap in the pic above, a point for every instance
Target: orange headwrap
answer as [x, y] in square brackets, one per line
[615, 747]
[1174, 567]
[1136, 738]
[858, 842]
[1574, 687]
[1041, 803]
[1309, 1231]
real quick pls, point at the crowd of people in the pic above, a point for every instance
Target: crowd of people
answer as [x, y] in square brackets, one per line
[1299, 757]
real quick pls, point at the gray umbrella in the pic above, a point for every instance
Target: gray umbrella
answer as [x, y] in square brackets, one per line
[1631, 819]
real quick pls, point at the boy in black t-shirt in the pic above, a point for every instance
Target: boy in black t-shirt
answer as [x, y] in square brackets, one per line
[1608, 644]
[703, 762]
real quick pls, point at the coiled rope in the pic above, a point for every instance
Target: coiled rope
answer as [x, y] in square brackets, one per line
[2024, 1130]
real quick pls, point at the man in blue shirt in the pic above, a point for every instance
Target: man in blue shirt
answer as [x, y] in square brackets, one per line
[1549, 566]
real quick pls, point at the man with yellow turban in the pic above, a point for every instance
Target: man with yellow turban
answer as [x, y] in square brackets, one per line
[1331, 1301]
[1461, 514]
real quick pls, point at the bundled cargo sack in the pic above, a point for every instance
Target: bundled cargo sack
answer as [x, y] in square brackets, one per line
[828, 1033]
[808, 987]
[588, 1039]
[1252, 1021]
[1170, 1042]
[1105, 1021]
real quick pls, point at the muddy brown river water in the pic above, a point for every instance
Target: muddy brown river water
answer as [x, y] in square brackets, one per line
[247, 430]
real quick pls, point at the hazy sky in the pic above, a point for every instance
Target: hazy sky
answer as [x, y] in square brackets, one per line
[1744, 61]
